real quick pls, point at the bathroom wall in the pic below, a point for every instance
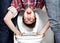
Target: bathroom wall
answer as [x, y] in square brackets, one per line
[48, 37]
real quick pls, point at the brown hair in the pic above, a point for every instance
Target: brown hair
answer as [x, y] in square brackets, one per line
[30, 25]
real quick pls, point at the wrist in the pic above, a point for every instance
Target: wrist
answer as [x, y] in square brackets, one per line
[42, 32]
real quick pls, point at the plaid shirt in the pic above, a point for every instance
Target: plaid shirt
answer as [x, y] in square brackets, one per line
[20, 4]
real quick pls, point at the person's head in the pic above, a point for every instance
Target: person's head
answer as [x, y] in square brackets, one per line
[29, 16]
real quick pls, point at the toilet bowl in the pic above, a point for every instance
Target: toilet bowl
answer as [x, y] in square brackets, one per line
[29, 39]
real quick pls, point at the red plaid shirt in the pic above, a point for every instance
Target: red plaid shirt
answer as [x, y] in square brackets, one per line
[21, 4]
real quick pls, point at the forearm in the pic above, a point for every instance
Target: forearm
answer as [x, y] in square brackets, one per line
[45, 28]
[9, 23]
[11, 26]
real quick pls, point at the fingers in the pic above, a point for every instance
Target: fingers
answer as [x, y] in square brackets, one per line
[41, 34]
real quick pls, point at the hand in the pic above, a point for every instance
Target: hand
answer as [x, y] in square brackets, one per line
[18, 34]
[41, 34]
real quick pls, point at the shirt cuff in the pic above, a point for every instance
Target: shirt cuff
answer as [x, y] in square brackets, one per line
[13, 10]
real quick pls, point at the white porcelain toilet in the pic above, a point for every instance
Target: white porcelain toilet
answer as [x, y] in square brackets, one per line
[28, 39]
[31, 38]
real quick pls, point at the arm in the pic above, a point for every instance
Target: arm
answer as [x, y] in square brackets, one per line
[8, 21]
[47, 24]
[44, 29]
[12, 12]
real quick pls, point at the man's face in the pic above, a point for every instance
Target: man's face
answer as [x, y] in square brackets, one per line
[29, 16]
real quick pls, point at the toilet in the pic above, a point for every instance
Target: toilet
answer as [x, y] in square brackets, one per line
[31, 37]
